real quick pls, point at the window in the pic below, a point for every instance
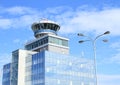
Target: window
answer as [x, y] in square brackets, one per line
[37, 43]
[64, 43]
[58, 41]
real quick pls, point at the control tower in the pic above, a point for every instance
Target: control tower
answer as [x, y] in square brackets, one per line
[44, 27]
[45, 32]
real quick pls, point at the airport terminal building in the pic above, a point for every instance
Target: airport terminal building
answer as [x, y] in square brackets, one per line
[46, 61]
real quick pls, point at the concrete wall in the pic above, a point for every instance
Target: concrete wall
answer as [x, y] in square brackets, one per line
[22, 65]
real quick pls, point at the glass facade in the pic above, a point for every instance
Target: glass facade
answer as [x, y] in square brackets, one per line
[14, 67]
[58, 41]
[28, 71]
[38, 69]
[45, 27]
[44, 30]
[50, 68]
[45, 40]
[37, 43]
[67, 70]
[6, 74]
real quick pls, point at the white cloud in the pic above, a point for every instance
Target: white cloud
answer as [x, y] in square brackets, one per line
[17, 10]
[57, 10]
[4, 58]
[19, 17]
[20, 22]
[5, 23]
[98, 21]
[20, 43]
[116, 45]
[71, 20]
[115, 59]
[108, 79]
[116, 56]
[16, 41]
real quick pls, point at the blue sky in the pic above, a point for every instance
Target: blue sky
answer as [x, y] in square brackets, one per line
[91, 17]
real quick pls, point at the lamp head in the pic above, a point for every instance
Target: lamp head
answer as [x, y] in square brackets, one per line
[105, 40]
[107, 32]
[81, 41]
[80, 34]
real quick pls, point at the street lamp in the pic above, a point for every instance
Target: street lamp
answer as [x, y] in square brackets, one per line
[94, 47]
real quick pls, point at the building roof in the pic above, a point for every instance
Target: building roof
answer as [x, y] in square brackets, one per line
[45, 21]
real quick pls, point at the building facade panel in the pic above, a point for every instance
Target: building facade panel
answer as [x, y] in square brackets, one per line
[6, 74]
[14, 68]
[38, 69]
[67, 70]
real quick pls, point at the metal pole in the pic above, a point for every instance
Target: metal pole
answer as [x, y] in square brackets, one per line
[94, 49]
[95, 65]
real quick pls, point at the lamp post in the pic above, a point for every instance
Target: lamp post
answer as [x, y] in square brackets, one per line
[94, 48]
